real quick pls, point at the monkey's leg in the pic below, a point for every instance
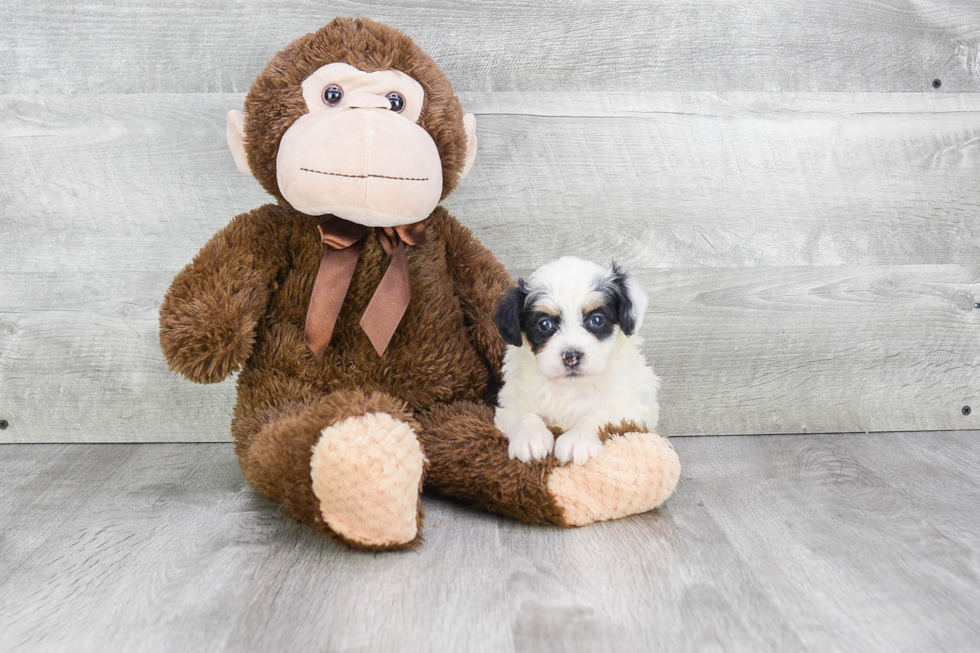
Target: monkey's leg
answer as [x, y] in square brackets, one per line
[347, 465]
[468, 459]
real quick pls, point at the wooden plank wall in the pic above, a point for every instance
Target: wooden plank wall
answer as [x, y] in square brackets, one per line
[800, 200]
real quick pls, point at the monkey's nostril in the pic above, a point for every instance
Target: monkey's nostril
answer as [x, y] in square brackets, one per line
[571, 357]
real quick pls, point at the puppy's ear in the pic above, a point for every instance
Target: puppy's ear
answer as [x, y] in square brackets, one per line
[630, 299]
[508, 317]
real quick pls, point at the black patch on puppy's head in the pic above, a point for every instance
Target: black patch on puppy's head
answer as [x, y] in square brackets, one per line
[607, 318]
[539, 327]
[615, 288]
[514, 319]
[508, 316]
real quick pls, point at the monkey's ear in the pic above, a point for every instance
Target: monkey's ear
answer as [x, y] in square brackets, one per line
[235, 132]
[469, 124]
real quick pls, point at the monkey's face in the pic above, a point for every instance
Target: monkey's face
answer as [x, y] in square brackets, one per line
[359, 153]
[358, 147]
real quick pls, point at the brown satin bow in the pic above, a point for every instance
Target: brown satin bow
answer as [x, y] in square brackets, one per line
[342, 242]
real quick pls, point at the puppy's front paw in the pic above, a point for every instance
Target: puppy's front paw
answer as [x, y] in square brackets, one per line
[578, 446]
[531, 441]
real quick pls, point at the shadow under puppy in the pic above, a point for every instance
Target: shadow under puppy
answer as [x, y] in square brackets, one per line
[573, 360]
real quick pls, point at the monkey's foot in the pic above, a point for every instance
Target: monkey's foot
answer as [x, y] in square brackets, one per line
[635, 473]
[367, 475]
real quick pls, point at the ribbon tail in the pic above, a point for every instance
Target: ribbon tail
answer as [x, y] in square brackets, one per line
[329, 290]
[389, 302]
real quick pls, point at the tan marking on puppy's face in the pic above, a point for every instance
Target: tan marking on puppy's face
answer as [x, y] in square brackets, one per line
[593, 301]
[547, 308]
[579, 327]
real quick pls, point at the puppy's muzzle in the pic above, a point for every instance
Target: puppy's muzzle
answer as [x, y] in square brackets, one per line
[571, 358]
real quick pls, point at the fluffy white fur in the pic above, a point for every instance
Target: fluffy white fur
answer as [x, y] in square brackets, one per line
[612, 383]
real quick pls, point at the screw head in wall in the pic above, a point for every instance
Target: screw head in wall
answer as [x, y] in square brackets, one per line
[966, 410]
[936, 83]
[3, 424]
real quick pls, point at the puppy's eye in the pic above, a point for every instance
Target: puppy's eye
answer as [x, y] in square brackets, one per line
[596, 321]
[546, 325]
[332, 95]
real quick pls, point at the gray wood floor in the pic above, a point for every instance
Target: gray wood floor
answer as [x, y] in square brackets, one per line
[799, 543]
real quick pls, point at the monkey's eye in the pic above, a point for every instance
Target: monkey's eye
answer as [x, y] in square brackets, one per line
[596, 321]
[546, 325]
[397, 102]
[332, 95]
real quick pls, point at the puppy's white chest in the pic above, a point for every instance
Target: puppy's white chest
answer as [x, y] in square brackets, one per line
[565, 405]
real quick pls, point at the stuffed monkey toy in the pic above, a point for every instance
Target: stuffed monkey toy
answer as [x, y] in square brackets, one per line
[360, 313]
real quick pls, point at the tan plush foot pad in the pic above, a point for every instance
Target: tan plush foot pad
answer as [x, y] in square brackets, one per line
[635, 473]
[366, 474]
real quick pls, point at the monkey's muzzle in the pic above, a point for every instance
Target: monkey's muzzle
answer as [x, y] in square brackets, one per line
[367, 165]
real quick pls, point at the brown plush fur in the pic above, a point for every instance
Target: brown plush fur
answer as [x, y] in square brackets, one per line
[626, 426]
[241, 305]
[474, 464]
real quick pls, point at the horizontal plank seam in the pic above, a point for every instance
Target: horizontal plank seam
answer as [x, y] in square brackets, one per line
[672, 435]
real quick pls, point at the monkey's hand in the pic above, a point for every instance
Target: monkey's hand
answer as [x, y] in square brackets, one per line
[207, 337]
[208, 317]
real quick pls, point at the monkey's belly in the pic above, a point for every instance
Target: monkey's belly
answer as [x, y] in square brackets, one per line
[429, 360]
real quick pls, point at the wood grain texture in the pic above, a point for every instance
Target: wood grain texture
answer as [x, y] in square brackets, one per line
[694, 179]
[818, 516]
[814, 349]
[755, 45]
[752, 350]
[802, 543]
[812, 257]
[730, 181]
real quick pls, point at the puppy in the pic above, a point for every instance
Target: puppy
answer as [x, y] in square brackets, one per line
[573, 360]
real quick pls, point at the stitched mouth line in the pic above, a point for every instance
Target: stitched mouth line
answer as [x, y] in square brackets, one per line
[338, 174]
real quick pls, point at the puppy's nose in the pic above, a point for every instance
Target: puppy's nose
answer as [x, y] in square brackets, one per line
[571, 358]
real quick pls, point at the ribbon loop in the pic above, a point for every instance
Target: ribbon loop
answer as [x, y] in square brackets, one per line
[342, 242]
[340, 234]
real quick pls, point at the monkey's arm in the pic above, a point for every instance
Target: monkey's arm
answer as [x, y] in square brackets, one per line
[480, 280]
[208, 316]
